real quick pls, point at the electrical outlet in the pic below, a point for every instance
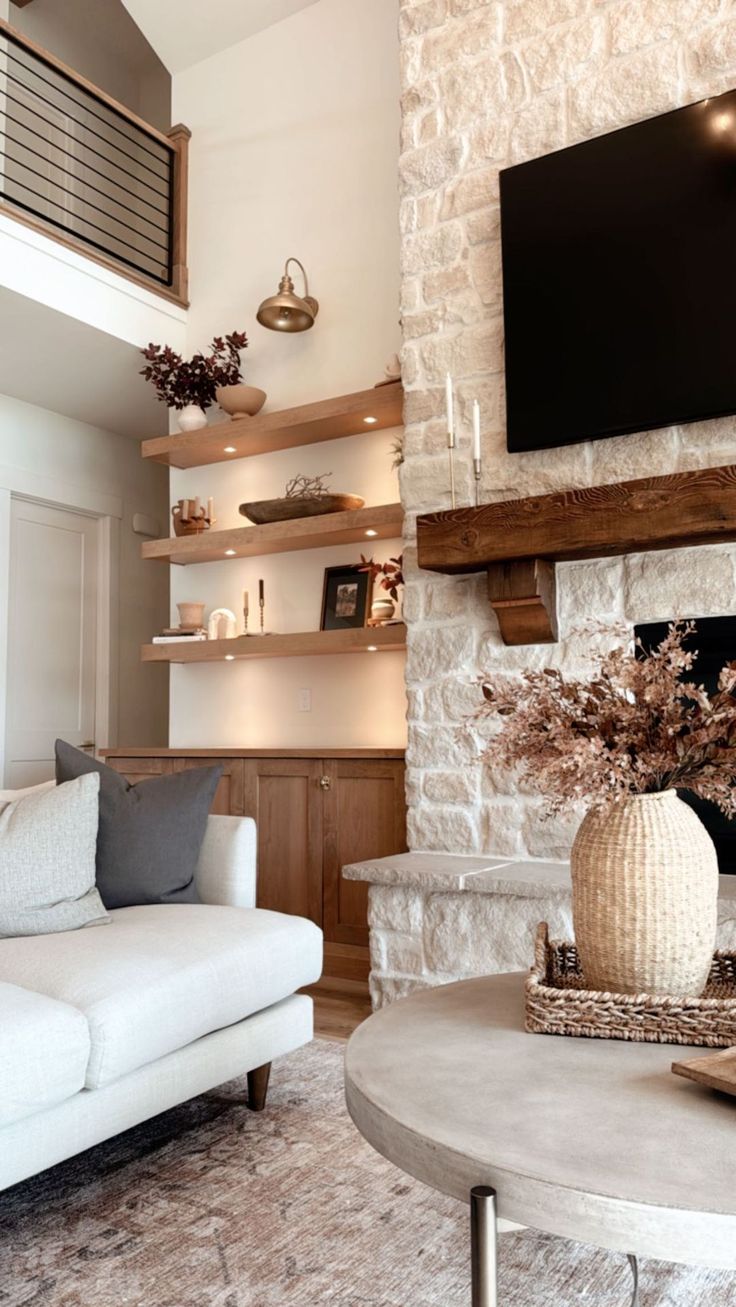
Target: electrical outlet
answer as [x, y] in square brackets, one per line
[304, 701]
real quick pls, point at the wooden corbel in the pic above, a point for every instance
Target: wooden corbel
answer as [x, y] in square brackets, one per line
[523, 596]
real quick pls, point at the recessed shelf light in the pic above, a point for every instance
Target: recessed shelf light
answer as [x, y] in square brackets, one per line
[372, 648]
[370, 422]
[229, 658]
[230, 449]
[371, 532]
[229, 553]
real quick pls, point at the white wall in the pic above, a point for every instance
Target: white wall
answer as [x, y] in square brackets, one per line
[56, 459]
[295, 151]
[106, 47]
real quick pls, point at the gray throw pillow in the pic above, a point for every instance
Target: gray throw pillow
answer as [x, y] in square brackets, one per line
[150, 834]
[47, 861]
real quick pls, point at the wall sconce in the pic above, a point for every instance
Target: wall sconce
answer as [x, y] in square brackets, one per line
[287, 311]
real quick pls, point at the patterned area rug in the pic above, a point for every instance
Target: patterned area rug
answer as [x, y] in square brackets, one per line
[210, 1205]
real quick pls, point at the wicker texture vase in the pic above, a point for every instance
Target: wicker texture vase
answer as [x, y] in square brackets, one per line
[645, 895]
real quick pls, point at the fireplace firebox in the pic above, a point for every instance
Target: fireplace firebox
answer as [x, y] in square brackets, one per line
[714, 641]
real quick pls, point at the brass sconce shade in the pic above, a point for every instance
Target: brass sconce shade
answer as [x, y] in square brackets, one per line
[287, 311]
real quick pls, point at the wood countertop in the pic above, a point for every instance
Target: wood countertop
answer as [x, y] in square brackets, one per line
[130, 751]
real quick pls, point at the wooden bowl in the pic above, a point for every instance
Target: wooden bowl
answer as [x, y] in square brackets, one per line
[286, 509]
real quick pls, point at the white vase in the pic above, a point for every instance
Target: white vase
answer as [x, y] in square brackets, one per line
[645, 897]
[191, 418]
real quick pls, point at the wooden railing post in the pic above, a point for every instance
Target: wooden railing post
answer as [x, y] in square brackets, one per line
[180, 137]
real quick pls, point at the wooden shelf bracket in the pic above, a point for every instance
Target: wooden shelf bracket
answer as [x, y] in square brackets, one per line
[523, 596]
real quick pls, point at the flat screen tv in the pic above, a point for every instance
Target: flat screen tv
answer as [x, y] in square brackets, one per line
[619, 279]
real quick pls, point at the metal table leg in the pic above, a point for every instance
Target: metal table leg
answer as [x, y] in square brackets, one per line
[633, 1263]
[483, 1246]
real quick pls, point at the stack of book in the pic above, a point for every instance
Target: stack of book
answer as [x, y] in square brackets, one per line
[176, 634]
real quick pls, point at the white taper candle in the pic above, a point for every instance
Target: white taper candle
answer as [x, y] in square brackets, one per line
[476, 430]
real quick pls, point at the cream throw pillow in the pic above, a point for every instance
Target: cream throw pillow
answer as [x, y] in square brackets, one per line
[48, 845]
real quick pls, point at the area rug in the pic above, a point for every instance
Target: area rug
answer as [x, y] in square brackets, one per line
[210, 1205]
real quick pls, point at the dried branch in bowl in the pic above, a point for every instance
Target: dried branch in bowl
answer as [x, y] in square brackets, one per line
[303, 487]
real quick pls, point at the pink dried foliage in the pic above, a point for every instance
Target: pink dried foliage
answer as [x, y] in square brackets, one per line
[638, 726]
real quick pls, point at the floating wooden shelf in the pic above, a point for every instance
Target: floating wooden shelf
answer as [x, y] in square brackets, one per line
[329, 419]
[518, 542]
[304, 644]
[384, 522]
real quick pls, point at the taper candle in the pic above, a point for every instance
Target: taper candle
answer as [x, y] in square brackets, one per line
[260, 591]
[211, 510]
[476, 430]
[245, 601]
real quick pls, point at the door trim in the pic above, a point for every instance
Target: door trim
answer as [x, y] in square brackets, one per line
[108, 571]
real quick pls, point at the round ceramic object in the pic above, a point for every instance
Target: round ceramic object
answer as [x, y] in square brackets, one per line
[191, 418]
[382, 610]
[588, 1139]
[240, 401]
[190, 614]
[645, 897]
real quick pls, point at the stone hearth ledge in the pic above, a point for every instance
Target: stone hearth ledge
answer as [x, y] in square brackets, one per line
[439, 917]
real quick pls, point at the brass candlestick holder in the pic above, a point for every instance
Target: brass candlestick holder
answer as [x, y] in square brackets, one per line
[245, 620]
[451, 452]
[476, 474]
[262, 605]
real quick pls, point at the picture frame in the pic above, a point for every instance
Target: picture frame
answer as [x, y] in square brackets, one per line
[346, 597]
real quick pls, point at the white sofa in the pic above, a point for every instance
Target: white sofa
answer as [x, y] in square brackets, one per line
[104, 1027]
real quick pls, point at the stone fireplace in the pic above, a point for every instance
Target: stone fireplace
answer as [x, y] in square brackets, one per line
[487, 84]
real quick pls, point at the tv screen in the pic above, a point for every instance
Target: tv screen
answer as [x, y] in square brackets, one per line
[619, 279]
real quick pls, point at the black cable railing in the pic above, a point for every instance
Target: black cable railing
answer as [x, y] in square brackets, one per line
[72, 159]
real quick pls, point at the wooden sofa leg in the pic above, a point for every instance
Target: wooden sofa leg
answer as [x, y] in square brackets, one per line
[258, 1087]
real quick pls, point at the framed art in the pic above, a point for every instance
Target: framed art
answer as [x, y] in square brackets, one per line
[345, 597]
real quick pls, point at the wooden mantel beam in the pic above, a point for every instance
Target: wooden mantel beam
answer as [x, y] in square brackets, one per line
[519, 541]
[667, 512]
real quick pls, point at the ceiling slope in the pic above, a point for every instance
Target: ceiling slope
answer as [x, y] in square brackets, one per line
[183, 32]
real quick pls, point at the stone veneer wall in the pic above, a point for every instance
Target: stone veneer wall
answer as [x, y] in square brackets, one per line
[487, 83]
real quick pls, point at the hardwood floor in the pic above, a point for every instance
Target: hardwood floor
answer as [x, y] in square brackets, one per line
[338, 1011]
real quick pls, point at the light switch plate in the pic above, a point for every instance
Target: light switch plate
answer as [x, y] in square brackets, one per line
[304, 701]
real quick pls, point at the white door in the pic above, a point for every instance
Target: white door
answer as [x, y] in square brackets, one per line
[52, 638]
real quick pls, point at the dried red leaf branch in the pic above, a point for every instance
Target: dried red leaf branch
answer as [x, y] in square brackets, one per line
[638, 726]
[179, 382]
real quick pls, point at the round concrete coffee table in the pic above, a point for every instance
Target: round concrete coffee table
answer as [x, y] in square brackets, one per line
[588, 1139]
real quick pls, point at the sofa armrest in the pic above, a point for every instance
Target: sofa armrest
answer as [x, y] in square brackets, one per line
[226, 872]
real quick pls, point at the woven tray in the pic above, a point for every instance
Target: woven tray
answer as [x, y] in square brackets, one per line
[557, 1003]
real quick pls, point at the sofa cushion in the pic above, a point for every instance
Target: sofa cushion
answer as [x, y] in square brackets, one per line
[150, 834]
[44, 1051]
[162, 976]
[47, 860]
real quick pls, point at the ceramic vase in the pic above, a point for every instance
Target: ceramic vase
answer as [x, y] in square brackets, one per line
[191, 418]
[645, 895]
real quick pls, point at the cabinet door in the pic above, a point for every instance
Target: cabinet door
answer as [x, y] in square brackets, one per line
[284, 797]
[228, 800]
[364, 817]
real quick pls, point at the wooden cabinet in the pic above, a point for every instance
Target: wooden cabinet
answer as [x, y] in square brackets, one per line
[316, 810]
[284, 797]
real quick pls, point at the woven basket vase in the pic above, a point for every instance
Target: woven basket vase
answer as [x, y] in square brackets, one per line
[645, 896]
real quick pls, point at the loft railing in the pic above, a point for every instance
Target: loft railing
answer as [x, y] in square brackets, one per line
[83, 169]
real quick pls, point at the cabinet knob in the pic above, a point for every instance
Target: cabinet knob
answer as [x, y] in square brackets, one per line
[325, 783]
